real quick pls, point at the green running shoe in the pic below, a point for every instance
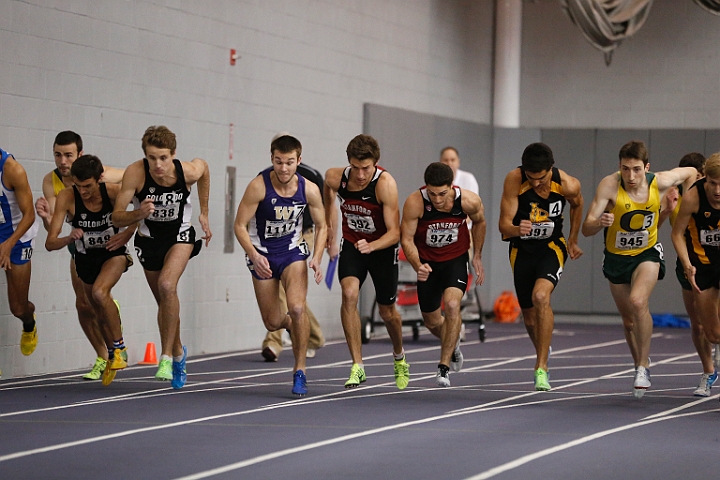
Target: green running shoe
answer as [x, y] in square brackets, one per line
[164, 371]
[542, 380]
[357, 376]
[97, 370]
[402, 373]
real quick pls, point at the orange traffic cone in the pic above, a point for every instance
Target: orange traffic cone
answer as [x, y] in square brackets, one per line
[150, 355]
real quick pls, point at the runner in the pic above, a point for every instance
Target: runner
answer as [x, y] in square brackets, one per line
[369, 244]
[436, 240]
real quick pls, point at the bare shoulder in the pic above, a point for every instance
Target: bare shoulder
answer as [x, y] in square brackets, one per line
[312, 191]
[513, 180]
[333, 176]
[413, 205]
[471, 202]
[570, 184]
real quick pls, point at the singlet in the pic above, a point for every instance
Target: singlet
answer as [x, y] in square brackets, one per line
[546, 214]
[362, 214]
[10, 213]
[173, 212]
[57, 182]
[442, 236]
[636, 224]
[97, 227]
[702, 235]
[276, 226]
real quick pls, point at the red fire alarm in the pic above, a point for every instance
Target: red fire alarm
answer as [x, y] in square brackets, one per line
[233, 56]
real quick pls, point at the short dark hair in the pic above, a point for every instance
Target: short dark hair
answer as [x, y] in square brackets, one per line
[693, 159]
[286, 144]
[363, 147]
[87, 166]
[634, 149]
[68, 137]
[438, 175]
[537, 157]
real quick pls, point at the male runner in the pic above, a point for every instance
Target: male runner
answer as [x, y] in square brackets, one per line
[436, 240]
[101, 255]
[268, 226]
[17, 236]
[67, 147]
[159, 187]
[671, 208]
[696, 237]
[370, 233]
[627, 206]
[531, 219]
[272, 345]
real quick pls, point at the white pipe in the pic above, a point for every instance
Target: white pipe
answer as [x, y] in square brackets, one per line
[508, 37]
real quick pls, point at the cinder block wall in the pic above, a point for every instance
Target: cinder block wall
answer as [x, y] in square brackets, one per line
[108, 69]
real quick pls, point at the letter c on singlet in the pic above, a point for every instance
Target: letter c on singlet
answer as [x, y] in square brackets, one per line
[636, 220]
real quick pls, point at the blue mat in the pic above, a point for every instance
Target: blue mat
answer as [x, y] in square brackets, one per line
[670, 320]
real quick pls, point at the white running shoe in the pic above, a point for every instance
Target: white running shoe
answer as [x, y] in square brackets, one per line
[456, 361]
[642, 381]
[706, 381]
[443, 376]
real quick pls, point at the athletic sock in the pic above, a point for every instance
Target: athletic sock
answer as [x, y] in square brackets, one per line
[400, 356]
[29, 327]
[178, 359]
[119, 344]
[165, 357]
[111, 353]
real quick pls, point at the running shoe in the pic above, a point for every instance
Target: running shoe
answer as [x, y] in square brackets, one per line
[310, 353]
[179, 373]
[357, 376]
[402, 373]
[716, 356]
[164, 371]
[642, 381]
[456, 362]
[97, 370]
[706, 381]
[269, 354]
[542, 380]
[108, 375]
[299, 384]
[443, 376]
[119, 360]
[28, 341]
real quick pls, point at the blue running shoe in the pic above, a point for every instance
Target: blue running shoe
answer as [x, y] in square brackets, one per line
[178, 371]
[299, 384]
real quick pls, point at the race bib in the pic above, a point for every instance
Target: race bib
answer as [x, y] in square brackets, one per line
[631, 240]
[441, 237]
[97, 239]
[358, 223]
[710, 238]
[540, 231]
[165, 213]
[279, 228]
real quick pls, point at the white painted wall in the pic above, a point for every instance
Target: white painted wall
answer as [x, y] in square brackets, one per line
[666, 76]
[109, 68]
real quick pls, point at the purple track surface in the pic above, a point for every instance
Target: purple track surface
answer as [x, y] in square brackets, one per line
[236, 417]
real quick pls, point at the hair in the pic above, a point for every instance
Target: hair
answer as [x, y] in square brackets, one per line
[694, 159]
[363, 147]
[449, 148]
[68, 137]
[438, 175]
[87, 166]
[537, 157]
[286, 144]
[159, 136]
[712, 166]
[634, 149]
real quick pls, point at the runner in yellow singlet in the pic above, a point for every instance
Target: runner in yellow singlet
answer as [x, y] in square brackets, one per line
[627, 206]
[67, 147]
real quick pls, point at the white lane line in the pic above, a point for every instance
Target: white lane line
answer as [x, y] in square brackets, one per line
[549, 451]
[682, 407]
